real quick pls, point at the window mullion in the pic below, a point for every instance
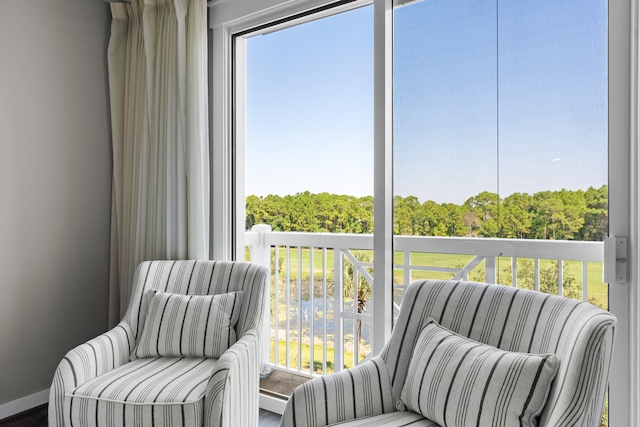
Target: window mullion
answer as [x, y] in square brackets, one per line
[382, 292]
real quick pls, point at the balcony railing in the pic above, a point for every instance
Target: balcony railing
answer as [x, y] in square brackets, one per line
[319, 320]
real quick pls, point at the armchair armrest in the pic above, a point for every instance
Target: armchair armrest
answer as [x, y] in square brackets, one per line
[233, 390]
[578, 392]
[87, 361]
[364, 390]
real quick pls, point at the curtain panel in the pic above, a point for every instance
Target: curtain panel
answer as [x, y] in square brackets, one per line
[157, 59]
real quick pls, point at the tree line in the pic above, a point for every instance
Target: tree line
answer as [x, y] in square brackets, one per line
[557, 215]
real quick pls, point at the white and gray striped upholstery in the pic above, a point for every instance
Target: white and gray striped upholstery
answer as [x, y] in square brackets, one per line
[188, 325]
[580, 334]
[459, 382]
[96, 384]
[391, 419]
[175, 386]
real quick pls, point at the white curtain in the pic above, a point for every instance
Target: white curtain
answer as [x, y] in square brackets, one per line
[158, 87]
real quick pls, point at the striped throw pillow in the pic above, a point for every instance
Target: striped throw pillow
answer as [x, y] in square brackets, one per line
[188, 325]
[458, 382]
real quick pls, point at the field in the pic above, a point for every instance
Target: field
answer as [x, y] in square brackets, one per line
[306, 356]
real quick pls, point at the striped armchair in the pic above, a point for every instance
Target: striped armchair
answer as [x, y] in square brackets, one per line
[577, 334]
[100, 383]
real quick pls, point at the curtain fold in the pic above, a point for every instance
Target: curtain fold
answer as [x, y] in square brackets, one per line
[158, 87]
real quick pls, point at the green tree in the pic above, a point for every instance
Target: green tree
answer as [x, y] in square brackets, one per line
[596, 216]
[575, 208]
[454, 220]
[548, 215]
[405, 216]
[516, 217]
[563, 214]
[558, 215]
[486, 205]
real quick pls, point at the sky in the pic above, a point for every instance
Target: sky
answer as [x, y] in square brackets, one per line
[505, 100]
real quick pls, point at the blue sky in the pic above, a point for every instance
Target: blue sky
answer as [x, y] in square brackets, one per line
[517, 109]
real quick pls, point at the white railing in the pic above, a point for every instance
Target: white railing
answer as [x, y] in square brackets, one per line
[318, 312]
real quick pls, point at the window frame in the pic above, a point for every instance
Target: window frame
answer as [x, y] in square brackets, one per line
[228, 156]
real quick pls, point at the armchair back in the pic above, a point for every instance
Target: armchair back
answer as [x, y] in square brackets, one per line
[200, 278]
[580, 334]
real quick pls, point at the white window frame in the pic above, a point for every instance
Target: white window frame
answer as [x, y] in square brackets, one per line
[623, 211]
[633, 11]
[228, 17]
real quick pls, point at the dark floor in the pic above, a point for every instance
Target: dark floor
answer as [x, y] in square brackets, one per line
[37, 417]
[268, 419]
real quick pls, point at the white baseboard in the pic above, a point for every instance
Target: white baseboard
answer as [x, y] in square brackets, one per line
[272, 404]
[10, 409]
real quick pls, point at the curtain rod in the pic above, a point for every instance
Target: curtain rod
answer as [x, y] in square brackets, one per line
[118, 1]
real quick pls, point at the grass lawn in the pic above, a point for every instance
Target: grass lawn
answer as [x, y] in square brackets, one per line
[595, 287]
[306, 356]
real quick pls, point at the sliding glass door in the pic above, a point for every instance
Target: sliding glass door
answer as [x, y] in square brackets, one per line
[501, 140]
[493, 124]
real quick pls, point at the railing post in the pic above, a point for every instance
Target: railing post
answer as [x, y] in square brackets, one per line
[490, 269]
[338, 306]
[261, 254]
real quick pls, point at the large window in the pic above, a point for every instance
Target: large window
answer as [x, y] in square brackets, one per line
[487, 122]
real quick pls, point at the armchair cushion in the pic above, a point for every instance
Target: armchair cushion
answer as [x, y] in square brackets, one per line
[145, 392]
[188, 325]
[459, 382]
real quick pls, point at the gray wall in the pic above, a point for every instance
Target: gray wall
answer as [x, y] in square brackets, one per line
[55, 185]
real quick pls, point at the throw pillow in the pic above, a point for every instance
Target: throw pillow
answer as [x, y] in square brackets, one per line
[458, 382]
[188, 325]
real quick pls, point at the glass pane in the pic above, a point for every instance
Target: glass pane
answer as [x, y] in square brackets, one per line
[553, 107]
[309, 170]
[444, 93]
[500, 131]
[445, 130]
